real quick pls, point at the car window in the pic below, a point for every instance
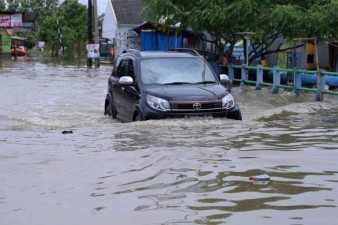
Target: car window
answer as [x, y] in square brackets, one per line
[117, 62]
[122, 68]
[131, 68]
[175, 70]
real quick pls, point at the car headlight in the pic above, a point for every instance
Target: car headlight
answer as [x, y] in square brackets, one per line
[228, 101]
[158, 103]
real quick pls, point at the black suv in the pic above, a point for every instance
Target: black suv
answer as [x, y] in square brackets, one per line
[154, 85]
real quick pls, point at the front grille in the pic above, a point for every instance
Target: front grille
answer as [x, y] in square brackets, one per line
[199, 105]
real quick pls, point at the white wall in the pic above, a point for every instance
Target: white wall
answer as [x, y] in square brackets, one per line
[126, 39]
[121, 33]
[109, 24]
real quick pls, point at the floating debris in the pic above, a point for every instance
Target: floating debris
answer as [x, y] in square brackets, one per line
[67, 132]
[261, 177]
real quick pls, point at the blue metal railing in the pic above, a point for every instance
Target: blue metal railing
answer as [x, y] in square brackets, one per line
[319, 79]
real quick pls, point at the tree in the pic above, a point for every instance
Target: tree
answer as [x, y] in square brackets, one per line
[13, 5]
[2, 5]
[72, 19]
[42, 7]
[268, 19]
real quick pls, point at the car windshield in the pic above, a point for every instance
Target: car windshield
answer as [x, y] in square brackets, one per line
[176, 71]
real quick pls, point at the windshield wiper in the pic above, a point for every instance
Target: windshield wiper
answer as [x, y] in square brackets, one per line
[206, 82]
[174, 83]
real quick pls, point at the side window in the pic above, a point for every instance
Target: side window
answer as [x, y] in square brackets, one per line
[131, 69]
[122, 68]
[116, 66]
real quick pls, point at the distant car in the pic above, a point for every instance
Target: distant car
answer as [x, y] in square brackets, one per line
[19, 51]
[155, 85]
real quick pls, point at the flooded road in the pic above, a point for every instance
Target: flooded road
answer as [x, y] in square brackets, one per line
[182, 171]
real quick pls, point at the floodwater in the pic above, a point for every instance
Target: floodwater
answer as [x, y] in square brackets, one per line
[182, 171]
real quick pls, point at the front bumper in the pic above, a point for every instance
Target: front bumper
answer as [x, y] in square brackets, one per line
[233, 113]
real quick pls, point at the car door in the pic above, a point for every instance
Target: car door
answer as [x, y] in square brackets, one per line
[116, 89]
[129, 94]
[124, 97]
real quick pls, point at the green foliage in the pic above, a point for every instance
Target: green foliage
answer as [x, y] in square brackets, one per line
[42, 7]
[49, 33]
[13, 5]
[268, 19]
[72, 19]
[2, 5]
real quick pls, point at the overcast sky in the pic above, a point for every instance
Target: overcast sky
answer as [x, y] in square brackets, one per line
[101, 5]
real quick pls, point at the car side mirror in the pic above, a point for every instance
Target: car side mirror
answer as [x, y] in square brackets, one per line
[224, 78]
[226, 81]
[126, 81]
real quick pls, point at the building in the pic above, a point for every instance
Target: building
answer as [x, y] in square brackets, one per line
[121, 16]
[124, 27]
[11, 22]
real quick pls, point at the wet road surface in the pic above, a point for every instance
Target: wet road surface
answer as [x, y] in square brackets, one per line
[181, 171]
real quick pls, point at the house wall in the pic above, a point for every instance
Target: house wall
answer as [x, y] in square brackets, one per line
[121, 34]
[109, 24]
[126, 39]
[282, 59]
[323, 55]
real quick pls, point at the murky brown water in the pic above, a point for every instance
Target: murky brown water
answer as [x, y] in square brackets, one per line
[186, 171]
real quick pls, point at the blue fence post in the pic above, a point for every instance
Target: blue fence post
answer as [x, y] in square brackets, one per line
[231, 72]
[243, 77]
[259, 79]
[276, 80]
[297, 82]
[320, 96]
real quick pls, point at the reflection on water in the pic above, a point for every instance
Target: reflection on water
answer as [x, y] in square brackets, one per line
[175, 171]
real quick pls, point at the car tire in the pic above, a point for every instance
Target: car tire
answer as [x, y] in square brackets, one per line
[107, 109]
[110, 110]
[236, 115]
[137, 116]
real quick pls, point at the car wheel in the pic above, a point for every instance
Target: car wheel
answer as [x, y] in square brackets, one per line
[113, 111]
[236, 115]
[137, 117]
[110, 110]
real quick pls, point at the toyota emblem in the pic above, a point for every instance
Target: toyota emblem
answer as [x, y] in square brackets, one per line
[197, 105]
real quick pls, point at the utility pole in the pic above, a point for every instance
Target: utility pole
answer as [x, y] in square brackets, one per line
[246, 45]
[60, 37]
[90, 30]
[58, 29]
[319, 95]
[96, 33]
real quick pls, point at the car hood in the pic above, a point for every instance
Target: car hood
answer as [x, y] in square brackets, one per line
[188, 92]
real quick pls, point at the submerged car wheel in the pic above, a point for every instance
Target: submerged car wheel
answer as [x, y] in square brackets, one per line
[110, 110]
[235, 115]
[137, 116]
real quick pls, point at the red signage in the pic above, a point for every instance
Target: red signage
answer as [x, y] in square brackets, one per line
[11, 20]
[5, 20]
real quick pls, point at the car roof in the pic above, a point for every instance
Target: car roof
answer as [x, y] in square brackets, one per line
[164, 54]
[146, 54]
